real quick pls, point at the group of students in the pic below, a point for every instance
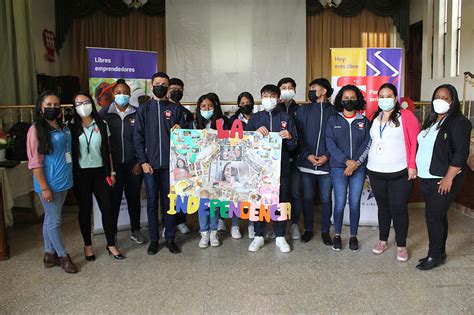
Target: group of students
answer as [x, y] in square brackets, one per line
[325, 146]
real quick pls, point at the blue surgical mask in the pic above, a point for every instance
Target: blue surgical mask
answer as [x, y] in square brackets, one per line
[207, 114]
[386, 103]
[122, 99]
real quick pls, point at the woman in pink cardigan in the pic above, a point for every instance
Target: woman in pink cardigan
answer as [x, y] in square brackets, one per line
[391, 167]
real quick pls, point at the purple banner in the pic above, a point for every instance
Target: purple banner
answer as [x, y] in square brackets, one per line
[385, 62]
[121, 63]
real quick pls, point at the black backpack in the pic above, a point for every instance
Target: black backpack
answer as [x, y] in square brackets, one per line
[16, 150]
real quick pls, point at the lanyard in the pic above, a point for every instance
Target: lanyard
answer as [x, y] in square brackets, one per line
[88, 140]
[380, 127]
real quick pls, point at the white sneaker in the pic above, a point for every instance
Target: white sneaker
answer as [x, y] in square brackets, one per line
[251, 231]
[204, 242]
[295, 232]
[270, 234]
[257, 243]
[214, 239]
[282, 244]
[235, 232]
[221, 225]
[183, 228]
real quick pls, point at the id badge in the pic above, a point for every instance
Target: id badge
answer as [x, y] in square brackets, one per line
[68, 157]
[380, 148]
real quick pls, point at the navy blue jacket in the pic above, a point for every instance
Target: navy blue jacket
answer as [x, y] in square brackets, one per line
[346, 142]
[311, 122]
[290, 110]
[121, 133]
[275, 122]
[154, 120]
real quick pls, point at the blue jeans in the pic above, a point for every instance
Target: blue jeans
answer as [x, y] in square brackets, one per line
[207, 223]
[296, 195]
[159, 183]
[309, 182]
[52, 224]
[341, 183]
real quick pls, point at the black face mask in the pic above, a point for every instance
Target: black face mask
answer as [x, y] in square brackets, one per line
[51, 113]
[312, 96]
[246, 109]
[349, 105]
[176, 95]
[160, 90]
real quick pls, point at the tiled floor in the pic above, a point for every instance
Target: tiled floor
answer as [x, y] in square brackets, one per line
[310, 279]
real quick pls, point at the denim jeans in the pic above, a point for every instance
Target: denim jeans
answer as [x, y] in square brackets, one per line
[159, 183]
[355, 183]
[296, 194]
[206, 222]
[52, 223]
[309, 182]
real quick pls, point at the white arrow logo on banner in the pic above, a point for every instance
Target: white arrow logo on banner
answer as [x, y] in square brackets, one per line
[395, 71]
[371, 66]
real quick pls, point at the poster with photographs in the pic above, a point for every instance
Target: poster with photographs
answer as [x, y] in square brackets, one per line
[231, 169]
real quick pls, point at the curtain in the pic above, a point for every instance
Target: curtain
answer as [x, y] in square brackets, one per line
[17, 57]
[134, 31]
[331, 30]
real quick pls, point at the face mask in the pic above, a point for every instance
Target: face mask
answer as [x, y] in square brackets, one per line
[176, 96]
[349, 105]
[386, 103]
[287, 95]
[313, 97]
[122, 99]
[207, 114]
[246, 109]
[441, 106]
[269, 103]
[84, 110]
[51, 113]
[160, 90]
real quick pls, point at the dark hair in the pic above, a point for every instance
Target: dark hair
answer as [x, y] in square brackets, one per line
[184, 162]
[160, 75]
[453, 112]
[396, 110]
[233, 171]
[286, 80]
[94, 113]
[324, 83]
[213, 96]
[200, 121]
[122, 81]
[270, 88]
[42, 126]
[176, 81]
[246, 95]
[360, 98]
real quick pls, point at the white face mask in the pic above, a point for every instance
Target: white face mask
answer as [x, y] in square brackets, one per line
[441, 106]
[84, 110]
[269, 103]
[287, 95]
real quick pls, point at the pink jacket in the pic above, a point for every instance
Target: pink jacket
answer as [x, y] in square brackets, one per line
[411, 129]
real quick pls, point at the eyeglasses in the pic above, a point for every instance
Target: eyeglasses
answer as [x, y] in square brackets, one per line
[76, 104]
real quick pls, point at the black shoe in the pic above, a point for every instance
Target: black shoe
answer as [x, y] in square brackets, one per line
[307, 236]
[353, 244]
[119, 256]
[429, 263]
[443, 258]
[89, 258]
[337, 243]
[326, 237]
[173, 248]
[153, 248]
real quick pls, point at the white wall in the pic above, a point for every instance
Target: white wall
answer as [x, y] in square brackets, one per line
[428, 84]
[42, 16]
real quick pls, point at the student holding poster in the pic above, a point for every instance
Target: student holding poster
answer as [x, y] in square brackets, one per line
[272, 119]
[154, 121]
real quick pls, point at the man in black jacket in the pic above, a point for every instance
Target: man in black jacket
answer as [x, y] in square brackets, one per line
[154, 122]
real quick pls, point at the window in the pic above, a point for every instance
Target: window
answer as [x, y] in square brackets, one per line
[444, 11]
[458, 36]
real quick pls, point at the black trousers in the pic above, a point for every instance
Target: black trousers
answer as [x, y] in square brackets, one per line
[436, 212]
[93, 181]
[126, 181]
[392, 192]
